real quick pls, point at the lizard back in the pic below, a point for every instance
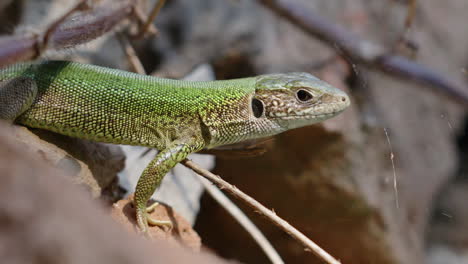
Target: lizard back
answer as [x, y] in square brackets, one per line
[115, 106]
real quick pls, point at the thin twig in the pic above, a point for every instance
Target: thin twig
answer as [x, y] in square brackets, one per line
[392, 159]
[404, 36]
[149, 21]
[140, 16]
[366, 52]
[411, 12]
[258, 207]
[244, 221]
[132, 57]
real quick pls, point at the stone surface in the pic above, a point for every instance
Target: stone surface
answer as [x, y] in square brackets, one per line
[44, 218]
[104, 160]
[181, 233]
[56, 157]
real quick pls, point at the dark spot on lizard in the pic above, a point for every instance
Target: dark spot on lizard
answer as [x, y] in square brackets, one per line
[257, 107]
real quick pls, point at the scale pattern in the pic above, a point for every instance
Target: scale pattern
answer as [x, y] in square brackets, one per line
[114, 106]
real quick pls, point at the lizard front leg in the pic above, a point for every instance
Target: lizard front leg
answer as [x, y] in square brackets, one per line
[153, 175]
[16, 96]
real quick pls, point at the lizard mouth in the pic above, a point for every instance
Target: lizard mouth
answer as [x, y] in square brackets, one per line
[308, 117]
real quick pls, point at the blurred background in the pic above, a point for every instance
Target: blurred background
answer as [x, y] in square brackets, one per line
[384, 182]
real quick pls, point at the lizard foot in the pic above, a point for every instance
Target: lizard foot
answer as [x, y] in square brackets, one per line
[143, 219]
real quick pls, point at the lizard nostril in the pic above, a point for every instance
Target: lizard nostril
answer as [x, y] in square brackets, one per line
[343, 99]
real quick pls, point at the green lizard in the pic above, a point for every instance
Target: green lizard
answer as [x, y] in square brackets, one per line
[175, 117]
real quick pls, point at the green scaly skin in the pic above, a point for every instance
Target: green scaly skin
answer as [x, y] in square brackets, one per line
[175, 117]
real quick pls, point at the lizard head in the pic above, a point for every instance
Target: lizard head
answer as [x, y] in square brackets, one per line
[278, 103]
[296, 99]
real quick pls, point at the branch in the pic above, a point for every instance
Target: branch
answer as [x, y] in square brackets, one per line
[258, 207]
[68, 31]
[149, 21]
[244, 221]
[366, 52]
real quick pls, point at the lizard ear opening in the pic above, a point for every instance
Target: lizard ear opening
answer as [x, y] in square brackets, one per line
[257, 107]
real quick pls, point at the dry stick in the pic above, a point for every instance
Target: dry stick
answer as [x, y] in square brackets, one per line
[136, 64]
[258, 207]
[243, 220]
[366, 52]
[91, 25]
[141, 19]
[217, 195]
[66, 34]
[410, 14]
[42, 44]
[149, 21]
[32, 46]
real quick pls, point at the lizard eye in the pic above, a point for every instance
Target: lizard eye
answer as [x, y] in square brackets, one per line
[257, 107]
[304, 95]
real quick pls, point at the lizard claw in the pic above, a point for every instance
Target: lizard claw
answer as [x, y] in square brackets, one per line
[155, 222]
[151, 208]
[159, 223]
